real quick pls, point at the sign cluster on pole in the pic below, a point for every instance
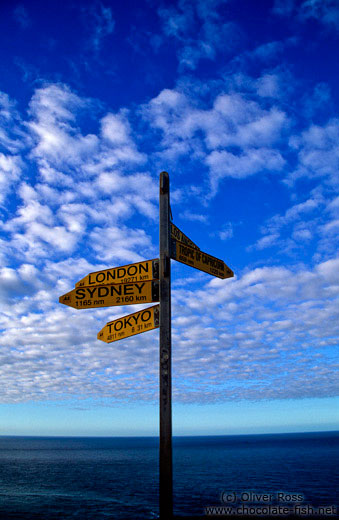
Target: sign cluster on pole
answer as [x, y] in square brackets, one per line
[149, 282]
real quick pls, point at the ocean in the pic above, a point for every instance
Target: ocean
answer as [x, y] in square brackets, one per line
[49, 478]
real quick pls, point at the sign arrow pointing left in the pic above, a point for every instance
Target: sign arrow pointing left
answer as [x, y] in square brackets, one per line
[111, 295]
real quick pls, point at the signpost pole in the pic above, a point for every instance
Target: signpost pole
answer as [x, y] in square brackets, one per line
[165, 452]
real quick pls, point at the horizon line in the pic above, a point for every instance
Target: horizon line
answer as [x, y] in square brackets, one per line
[157, 436]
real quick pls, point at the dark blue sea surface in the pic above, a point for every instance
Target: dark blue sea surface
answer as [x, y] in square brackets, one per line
[65, 478]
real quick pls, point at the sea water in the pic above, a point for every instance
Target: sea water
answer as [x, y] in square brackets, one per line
[48, 478]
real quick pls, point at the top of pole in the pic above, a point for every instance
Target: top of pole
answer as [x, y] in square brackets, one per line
[164, 182]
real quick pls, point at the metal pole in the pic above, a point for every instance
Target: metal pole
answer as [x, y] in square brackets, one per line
[165, 473]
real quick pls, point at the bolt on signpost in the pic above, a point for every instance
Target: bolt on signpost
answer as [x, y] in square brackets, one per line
[146, 282]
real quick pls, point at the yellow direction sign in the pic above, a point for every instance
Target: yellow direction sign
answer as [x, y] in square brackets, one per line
[181, 237]
[139, 272]
[196, 258]
[135, 323]
[110, 295]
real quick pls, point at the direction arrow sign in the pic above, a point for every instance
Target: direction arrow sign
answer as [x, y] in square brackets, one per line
[138, 272]
[181, 237]
[130, 325]
[207, 263]
[110, 295]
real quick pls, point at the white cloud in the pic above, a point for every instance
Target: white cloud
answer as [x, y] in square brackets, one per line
[300, 224]
[115, 129]
[260, 335]
[225, 164]
[236, 137]
[244, 123]
[53, 109]
[283, 7]
[60, 145]
[99, 20]
[10, 172]
[226, 232]
[74, 169]
[267, 334]
[318, 102]
[195, 217]
[329, 271]
[120, 244]
[21, 16]
[331, 227]
[302, 233]
[268, 50]
[333, 206]
[234, 120]
[12, 136]
[18, 283]
[267, 241]
[324, 11]
[318, 152]
[269, 86]
[199, 30]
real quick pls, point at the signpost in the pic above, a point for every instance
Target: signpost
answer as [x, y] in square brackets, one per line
[146, 282]
[111, 295]
[202, 261]
[141, 271]
[165, 354]
[135, 323]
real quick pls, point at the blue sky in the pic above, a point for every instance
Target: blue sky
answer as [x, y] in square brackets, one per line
[238, 101]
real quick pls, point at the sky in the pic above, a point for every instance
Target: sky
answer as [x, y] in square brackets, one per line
[239, 102]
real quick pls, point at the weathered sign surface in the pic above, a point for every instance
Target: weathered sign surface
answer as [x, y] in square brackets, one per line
[138, 272]
[178, 235]
[112, 294]
[136, 323]
[202, 261]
